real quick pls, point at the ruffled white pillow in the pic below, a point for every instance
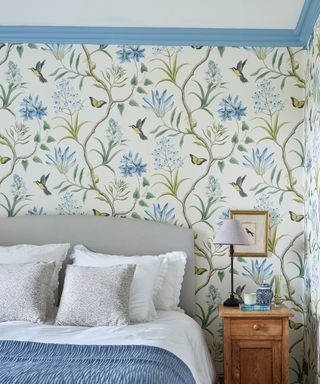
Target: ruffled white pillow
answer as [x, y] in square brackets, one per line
[168, 296]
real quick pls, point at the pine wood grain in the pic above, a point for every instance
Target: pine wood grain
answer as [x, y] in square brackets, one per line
[255, 345]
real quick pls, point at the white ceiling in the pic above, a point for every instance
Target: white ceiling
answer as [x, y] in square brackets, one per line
[255, 14]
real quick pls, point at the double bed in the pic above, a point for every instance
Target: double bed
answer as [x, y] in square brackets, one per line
[168, 348]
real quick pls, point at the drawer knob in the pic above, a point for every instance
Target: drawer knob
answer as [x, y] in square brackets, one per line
[236, 375]
[256, 327]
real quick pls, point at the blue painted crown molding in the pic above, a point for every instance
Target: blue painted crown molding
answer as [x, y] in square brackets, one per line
[169, 36]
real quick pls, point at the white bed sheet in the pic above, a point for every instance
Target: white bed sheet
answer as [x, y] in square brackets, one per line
[172, 330]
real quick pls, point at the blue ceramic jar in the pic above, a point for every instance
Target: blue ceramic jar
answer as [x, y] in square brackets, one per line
[264, 294]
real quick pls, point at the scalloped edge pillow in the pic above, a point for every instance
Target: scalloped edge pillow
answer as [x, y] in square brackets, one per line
[168, 297]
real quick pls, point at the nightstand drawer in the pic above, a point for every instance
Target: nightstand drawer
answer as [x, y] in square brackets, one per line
[256, 327]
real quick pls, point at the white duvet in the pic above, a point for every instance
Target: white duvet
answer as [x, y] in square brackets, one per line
[172, 330]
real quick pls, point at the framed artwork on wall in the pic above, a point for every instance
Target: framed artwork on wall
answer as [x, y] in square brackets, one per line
[255, 224]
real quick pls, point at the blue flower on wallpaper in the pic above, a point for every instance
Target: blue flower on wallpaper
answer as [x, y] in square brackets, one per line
[162, 215]
[124, 55]
[35, 211]
[213, 298]
[68, 205]
[59, 51]
[131, 165]
[260, 162]
[308, 166]
[213, 188]
[18, 187]
[137, 52]
[128, 52]
[62, 160]
[32, 108]
[166, 156]
[308, 282]
[167, 51]
[66, 99]
[259, 272]
[159, 104]
[113, 132]
[223, 216]
[213, 74]
[13, 74]
[231, 109]
[315, 85]
[313, 211]
[264, 203]
[266, 99]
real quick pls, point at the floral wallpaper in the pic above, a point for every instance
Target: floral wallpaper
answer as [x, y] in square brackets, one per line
[312, 186]
[172, 134]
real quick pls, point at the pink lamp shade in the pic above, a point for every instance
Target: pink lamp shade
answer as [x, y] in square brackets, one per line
[231, 233]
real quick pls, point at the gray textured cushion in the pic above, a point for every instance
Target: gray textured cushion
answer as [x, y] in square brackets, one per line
[96, 296]
[24, 291]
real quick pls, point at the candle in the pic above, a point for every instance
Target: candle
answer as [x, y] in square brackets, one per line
[277, 290]
[250, 298]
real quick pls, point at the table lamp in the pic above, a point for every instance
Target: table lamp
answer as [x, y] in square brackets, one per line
[231, 233]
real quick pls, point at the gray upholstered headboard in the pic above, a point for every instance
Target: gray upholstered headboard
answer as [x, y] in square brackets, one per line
[108, 235]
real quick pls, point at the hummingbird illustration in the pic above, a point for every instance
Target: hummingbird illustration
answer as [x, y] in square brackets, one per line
[238, 186]
[37, 71]
[42, 184]
[137, 128]
[238, 293]
[249, 232]
[238, 71]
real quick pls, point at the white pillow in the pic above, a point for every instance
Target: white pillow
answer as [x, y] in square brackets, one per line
[146, 282]
[168, 296]
[27, 253]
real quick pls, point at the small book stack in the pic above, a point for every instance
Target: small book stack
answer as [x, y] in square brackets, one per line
[255, 307]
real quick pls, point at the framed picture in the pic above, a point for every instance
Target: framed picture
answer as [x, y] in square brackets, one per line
[255, 224]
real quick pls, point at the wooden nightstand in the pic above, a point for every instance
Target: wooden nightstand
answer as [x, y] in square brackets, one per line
[255, 345]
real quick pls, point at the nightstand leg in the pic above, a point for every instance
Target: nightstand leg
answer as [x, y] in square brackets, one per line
[227, 351]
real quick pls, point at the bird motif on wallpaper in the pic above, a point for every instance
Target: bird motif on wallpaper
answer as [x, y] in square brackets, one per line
[238, 71]
[42, 184]
[4, 159]
[97, 103]
[2, 45]
[37, 71]
[250, 233]
[237, 185]
[297, 103]
[238, 293]
[137, 128]
[99, 213]
[197, 160]
[295, 217]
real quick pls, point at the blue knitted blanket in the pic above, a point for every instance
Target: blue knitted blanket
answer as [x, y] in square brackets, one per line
[40, 363]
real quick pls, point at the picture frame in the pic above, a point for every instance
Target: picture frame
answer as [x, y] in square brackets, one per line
[255, 223]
